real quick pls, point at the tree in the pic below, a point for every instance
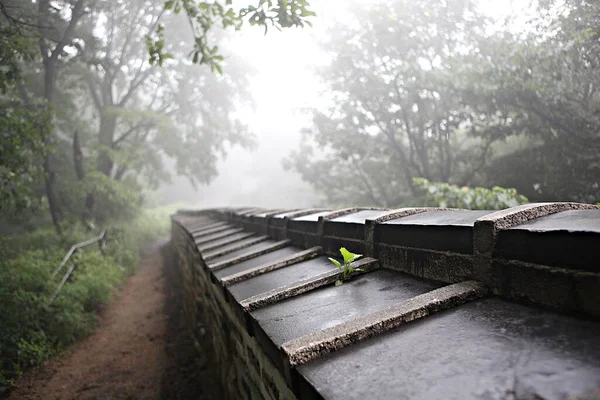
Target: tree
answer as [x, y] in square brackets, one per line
[146, 113]
[430, 90]
[203, 16]
[114, 118]
[397, 110]
[548, 82]
[22, 121]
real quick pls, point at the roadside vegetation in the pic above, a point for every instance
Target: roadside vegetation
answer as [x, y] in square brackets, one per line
[33, 329]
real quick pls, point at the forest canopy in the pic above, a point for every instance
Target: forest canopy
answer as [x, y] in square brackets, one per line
[435, 90]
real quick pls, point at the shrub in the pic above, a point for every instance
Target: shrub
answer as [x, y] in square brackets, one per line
[439, 194]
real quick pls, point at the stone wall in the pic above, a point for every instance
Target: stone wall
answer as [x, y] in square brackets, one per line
[447, 303]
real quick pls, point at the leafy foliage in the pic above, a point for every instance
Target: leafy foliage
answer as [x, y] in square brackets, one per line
[474, 198]
[435, 90]
[32, 329]
[21, 154]
[345, 266]
[203, 16]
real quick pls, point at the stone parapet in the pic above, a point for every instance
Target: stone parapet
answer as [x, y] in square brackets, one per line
[445, 303]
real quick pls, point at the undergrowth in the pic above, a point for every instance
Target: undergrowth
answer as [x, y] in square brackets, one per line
[32, 329]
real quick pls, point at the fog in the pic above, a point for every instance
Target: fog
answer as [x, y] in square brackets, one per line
[128, 104]
[284, 84]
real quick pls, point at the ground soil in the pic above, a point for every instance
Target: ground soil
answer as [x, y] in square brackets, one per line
[140, 349]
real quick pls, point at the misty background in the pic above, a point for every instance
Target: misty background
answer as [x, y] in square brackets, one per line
[285, 83]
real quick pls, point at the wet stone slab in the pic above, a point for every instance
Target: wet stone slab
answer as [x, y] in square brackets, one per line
[281, 277]
[257, 261]
[351, 225]
[435, 230]
[333, 305]
[244, 242]
[311, 217]
[568, 239]
[217, 239]
[488, 349]
[237, 253]
[214, 232]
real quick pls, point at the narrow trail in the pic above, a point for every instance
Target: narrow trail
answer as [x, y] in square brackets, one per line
[134, 353]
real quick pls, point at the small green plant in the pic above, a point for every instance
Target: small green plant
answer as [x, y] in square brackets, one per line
[349, 258]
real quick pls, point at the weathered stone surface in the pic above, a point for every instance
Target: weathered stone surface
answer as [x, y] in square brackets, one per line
[362, 266]
[435, 230]
[347, 231]
[568, 239]
[487, 349]
[215, 252]
[359, 217]
[334, 305]
[247, 253]
[202, 236]
[279, 278]
[278, 224]
[306, 348]
[271, 266]
[257, 261]
[236, 358]
[303, 231]
[429, 264]
[261, 327]
[312, 217]
[217, 240]
[205, 226]
[207, 232]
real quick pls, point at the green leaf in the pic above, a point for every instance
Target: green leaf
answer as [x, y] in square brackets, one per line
[349, 256]
[338, 282]
[336, 262]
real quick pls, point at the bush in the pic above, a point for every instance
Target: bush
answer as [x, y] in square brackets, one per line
[31, 328]
[437, 194]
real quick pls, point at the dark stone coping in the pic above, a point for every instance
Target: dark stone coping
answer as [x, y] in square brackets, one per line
[333, 305]
[191, 221]
[210, 245]
[462, 218]
[311, 346]
[568, 239]
[350, 226]
[306, 285]
[280, 221]
[297, 315]
[247, 254]
[571, 221]
[233, 246]
[205, 226]
[359, 217]
[262, 269]
[203, 240]
[202, 233]
[270, 257]
[486, 349]
[273, 213]
[289, 275]
[312, 217]
[436, 230]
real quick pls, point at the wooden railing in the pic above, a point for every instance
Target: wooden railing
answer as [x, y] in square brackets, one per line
[100, 239]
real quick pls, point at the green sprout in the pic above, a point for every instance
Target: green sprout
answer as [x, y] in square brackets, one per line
[349, 258]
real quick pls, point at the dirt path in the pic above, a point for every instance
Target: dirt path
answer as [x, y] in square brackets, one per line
[128, 355]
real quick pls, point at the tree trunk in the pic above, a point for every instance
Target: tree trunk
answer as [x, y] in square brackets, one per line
[108, 125]
[49, 169]
[90, 200]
